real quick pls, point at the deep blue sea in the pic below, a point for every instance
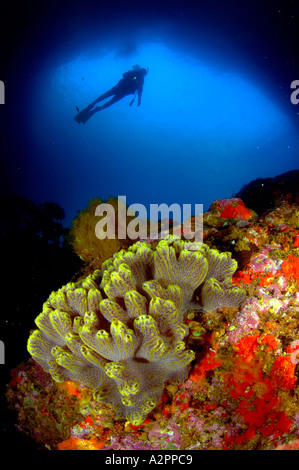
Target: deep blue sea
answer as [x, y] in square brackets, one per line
[215, 112]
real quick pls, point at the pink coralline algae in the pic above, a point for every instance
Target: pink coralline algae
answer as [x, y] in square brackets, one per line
[263, 264]
[241, 391]
[246, 321]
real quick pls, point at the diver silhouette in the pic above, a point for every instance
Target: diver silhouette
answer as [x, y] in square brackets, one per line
[131, 83]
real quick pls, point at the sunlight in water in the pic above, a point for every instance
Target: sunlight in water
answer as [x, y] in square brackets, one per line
[202, 131]
[181, 92]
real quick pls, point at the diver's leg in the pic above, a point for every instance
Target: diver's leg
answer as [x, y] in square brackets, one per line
[102, 97]
[86, 113]
[110, 102]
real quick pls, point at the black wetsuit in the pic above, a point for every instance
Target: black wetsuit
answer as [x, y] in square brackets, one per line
[131, 83]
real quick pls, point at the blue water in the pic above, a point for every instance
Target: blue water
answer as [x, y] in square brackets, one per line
[208, 124]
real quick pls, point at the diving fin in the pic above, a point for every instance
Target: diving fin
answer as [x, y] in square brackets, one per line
[83, 116]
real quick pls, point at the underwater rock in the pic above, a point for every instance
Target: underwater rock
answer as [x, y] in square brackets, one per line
[233, 208]
[242, 389]
[261, 193]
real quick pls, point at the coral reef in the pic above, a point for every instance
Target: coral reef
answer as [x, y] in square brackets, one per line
[233, 208]
[242, 391]
[122, 333]
[83, 237]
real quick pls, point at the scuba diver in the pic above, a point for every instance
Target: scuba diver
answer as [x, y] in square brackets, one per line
[131, 83]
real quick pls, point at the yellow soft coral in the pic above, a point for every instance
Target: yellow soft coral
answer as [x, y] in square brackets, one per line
[121, 331]
[91, 249]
